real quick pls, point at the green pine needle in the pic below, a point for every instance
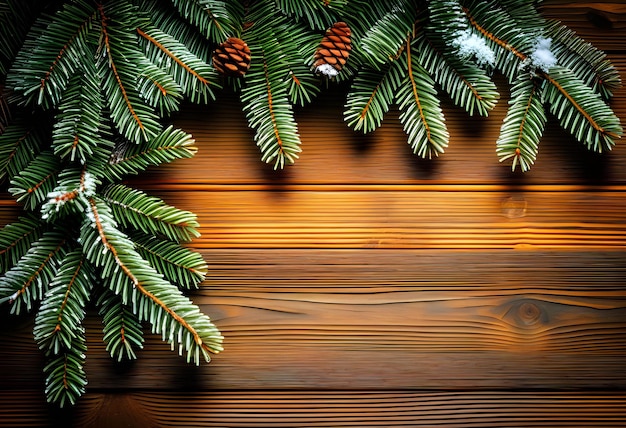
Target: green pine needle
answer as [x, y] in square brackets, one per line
[132, 208]
[177, 264]
[523, 125]
[123, 332]
[19, 145]
[171, 144]
[32, 185]
[420, 112]
[28, 280]
[65, 377]
[17, 238]
[63, 307]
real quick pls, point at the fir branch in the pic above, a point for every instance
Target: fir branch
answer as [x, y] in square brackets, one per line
[581, 111]
[53, 51]
[32, 185]
[116, 75]
[158, 88]
[505, 39]
[468, 85]
[19, 145]
[177, 264]
[17, 238]
[265, 98]
[280, 153]
[297, 43]
[317, 14]
[63, 306]
[195, 77]
[171, 55]
[217, 20]
[361, 15]
[27, 281]
[370, 97]
[65, 377]
[493, 37]
[123, 333]
[587, 62]
[387, 37]
[74, 186]
[523, 125]
[166, 18]
[179, 322]
[163, 94]
[134, 119]
[169, 145]
[78, 127]
[133, 208]
[420, 112]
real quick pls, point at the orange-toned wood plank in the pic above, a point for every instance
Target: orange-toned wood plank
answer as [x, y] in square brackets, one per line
[383, 319]
[344, 408]
[410, 218]
[399, 217]
[28, 408]
[333, 153]
[388, 409]
[601, 23]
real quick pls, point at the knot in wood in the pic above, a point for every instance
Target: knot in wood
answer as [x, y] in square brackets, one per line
[529, 313]
[514, 207]
[599, 19]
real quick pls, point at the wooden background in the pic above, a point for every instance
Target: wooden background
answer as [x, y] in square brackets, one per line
[366, 287]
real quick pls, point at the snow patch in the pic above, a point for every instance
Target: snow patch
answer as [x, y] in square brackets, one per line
[542, 57]
[327, 70]
[471, 46]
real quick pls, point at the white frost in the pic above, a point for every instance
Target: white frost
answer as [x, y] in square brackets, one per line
[89, 184]
[542, 57]
[327, 70]
[471, 46]
[89, 214]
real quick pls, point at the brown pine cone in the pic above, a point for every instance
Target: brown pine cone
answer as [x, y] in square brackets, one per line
[334, 49]
[232, 57]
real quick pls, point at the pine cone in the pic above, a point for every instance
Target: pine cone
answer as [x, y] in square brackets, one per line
[334, 49]
[232, 57]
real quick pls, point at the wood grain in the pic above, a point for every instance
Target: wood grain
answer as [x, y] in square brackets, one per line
[385, 319]
[406, 217]
[412, 217]
[601, 23]
[334, 154]
[337, 409]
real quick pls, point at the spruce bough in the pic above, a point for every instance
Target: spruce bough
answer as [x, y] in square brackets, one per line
[87, 87]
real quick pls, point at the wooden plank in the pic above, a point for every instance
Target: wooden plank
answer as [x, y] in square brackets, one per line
[28, 408]
[405, 217]
[343, 408]
[384, 319]
[409, 217]
[601, 23]
[388, 409]
[334, 154]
